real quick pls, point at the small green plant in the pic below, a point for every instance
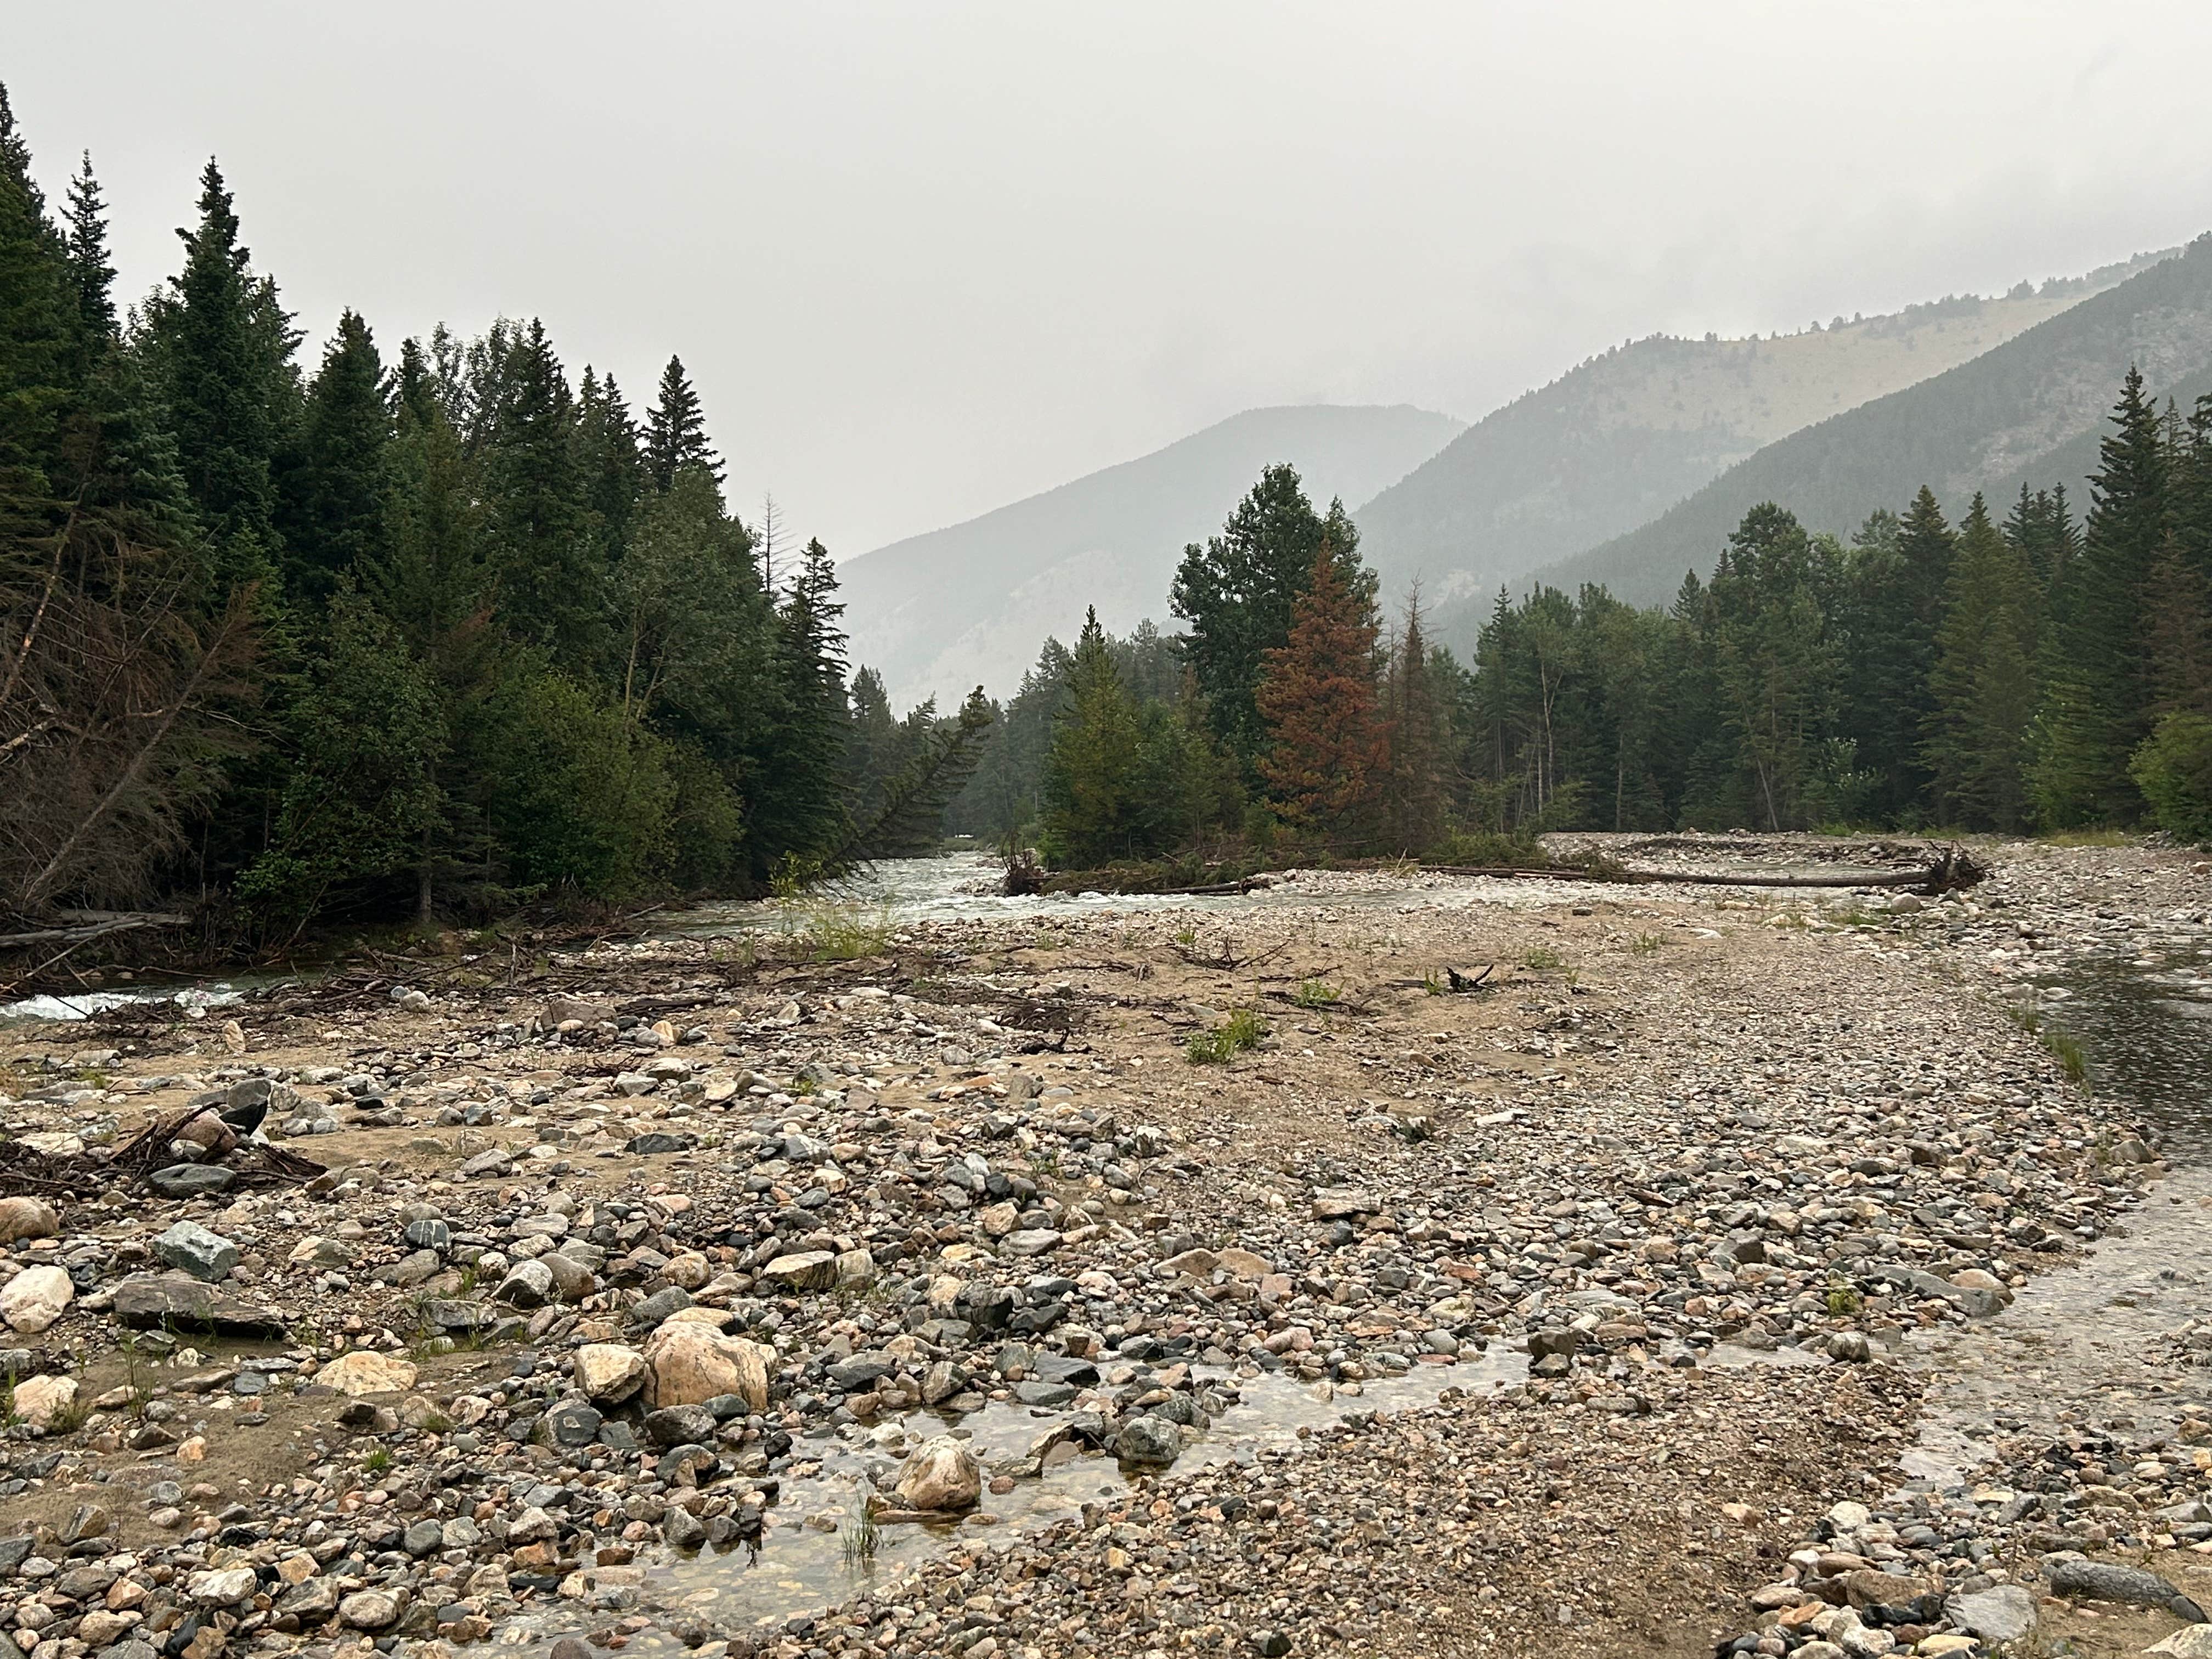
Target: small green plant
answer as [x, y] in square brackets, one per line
[1241, 1030]
[844, 931]
[860, 1540]
[1186, 936]
[2062, 1048]
[1432, 984]
[1316, 993]
[1541, 959]
[1645, 944]
[377, 1460]
[1843, 1299]
[2069, 1053]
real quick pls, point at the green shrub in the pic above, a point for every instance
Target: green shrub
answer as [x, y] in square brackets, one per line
[2173, 768]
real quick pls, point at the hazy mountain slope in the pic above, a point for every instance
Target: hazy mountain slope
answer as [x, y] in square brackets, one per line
[968, 605]
[2071, 463]
[1625, 436]
[1984, 425]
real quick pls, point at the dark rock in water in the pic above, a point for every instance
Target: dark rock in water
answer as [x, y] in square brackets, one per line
[1152, 1442]
[2108, 1581]
[191, 1180]
[569, 1648]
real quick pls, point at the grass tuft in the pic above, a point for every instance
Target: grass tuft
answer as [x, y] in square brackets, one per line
[1241, 1030]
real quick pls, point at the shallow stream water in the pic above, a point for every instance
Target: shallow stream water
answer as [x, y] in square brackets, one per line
[2090, 1340]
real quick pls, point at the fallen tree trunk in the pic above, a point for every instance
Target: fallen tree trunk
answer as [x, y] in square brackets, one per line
[1953, 870]
[85, 926]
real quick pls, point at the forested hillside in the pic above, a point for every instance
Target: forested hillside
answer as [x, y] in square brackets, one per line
[2021, 665]
[967, 604]
[1625, 436]
[427, 630]
[1985, 424]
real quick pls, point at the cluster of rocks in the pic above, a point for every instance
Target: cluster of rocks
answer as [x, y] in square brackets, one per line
[598, 1281]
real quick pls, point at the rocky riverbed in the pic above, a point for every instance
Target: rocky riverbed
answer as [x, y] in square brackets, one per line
[1697, 1278]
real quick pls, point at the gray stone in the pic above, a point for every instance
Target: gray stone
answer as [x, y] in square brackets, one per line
[1151, 1442]
[660, 1142]
[428, 1234]
[679, 1425]
[204, 1254]
[2108, 1581]
[2006, 1613]
[147, 1301]
[493, 1162]
[373, 1609]
[191, 1180]
[423, 1538]
[572, 1423]
[527, 1285]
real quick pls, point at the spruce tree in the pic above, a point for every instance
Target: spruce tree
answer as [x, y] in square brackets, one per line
[91, 276]
[218, 385]
[1327, 745]
[38, 331]
[1237, 593]
[1091, 791]
[609, 461]
[2097, 694]
[552, 582]
[338, 518]
[1420, 739]
[793, 801]
[1983, 684]
[675, 431]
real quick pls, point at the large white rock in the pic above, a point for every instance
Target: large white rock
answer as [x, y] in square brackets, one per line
[40, 1402]
[692, 1362]
[27, 1218]
[223, 1588]
[34, 1298]
[608, 1372]
[942, 1474]
[361, 1372]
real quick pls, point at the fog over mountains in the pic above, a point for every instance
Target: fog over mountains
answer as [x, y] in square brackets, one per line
[1628, 469]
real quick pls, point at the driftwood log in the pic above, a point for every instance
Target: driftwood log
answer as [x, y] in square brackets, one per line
[1955, 869]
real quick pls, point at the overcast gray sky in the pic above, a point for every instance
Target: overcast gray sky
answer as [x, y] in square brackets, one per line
[923, 259]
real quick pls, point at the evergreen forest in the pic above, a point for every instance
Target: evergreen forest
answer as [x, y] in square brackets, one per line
[432, 631]
[441, 629]
[2023, 668]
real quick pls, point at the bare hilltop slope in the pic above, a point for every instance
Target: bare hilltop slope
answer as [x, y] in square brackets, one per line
[1622, 437]
[2028, 408]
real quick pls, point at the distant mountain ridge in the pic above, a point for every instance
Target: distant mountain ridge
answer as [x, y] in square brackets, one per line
[2028, 410]
[1624, 436]
[970, 604]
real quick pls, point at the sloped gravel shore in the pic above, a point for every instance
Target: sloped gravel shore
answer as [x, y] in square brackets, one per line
[693, 1294]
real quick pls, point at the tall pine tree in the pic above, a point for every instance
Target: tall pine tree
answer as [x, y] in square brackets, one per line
[675, 431]
[1983, 684]
[2097, 694]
